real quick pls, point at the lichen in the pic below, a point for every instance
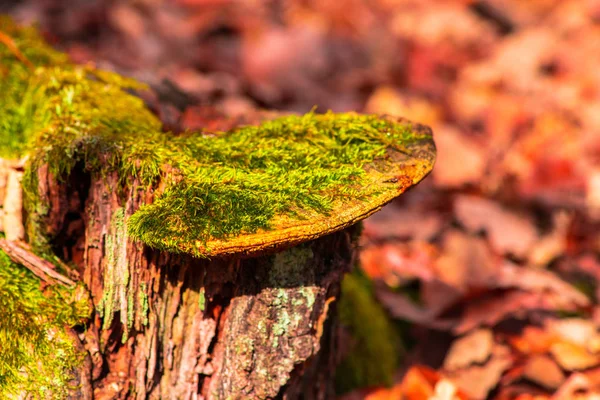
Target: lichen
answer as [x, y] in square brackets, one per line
[288, 271]
[116, 275]
[119, 294]
[216, 186]
[289, 267]
[375, 347]
[37, 356]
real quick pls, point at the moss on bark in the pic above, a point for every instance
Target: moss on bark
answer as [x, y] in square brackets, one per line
[375, 346]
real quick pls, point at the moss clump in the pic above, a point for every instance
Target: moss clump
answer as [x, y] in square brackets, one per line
[20, 98]
[215, 187]
[375, 344]
[37, 356]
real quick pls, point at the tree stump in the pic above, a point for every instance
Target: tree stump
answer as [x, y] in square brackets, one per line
[213, 259]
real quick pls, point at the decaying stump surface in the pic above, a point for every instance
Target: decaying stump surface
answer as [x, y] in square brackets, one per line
[183, 327]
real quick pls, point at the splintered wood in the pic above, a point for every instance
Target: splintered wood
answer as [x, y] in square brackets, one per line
[11, 199]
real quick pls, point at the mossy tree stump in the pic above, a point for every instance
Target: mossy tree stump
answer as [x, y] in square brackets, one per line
[213, 259]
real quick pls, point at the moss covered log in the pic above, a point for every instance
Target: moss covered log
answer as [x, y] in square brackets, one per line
[213, 259]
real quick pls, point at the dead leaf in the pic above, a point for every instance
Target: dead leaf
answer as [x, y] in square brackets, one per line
[387, 100]
[445, 390]
[542, 370]
[401, 307]
[508, 232]
[418, 383]
[477, 381]
[533, 340]
[495, 307]
[572, 357]
[459, 160]
[396, 263]
[578, 331]
[466, 262]
[577, 383]
[554, 243]
[593, 193]
[417, 223]
[538, 280]
[473, 348]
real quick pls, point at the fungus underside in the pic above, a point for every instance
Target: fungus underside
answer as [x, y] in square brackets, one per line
[216, 186]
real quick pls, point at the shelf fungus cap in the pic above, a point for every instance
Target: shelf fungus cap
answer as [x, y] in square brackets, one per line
[309, 175]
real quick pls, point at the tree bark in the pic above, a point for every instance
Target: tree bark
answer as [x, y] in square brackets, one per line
[170, 326]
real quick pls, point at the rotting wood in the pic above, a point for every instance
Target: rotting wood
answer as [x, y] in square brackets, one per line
[21, 254]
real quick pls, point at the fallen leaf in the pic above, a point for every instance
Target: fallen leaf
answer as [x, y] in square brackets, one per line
[577, 383]
[396, 263]
[572, 357]
[477, 380]
[466, 262]
[445, 390]
[578, 331]
[387, 100]
[401, 307]
[459, 160]
[508, 232]
[533, 340]
[418, 383]
[416, 224]
[553, 244]
[495, 307]
[542, 370]
[538, 280]
[473, 348]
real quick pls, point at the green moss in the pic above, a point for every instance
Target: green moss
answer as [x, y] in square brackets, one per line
[20, 98]
[376, 347]
[217, 186]
[36, 354]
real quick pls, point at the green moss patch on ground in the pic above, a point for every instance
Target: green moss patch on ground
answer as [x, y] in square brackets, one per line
[37, 356]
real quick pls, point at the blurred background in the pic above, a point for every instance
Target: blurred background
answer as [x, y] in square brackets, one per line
[482, 282]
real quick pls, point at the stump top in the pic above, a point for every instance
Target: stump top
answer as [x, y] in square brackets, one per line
[252, 189]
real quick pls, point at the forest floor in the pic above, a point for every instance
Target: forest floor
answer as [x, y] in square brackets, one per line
[495, 258]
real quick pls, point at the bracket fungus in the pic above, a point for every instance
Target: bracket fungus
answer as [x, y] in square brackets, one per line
[211, 258]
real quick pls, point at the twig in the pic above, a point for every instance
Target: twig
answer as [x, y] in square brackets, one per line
[18, 252]
[10, 43]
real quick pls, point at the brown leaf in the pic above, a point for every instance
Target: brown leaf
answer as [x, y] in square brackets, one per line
[496, 307]
[578, 386]
[477, 381]
[387, 100]
[395, 262]
[459, 160]
[466, 262]
[473, 348]
[401, 307]
[538, 280]
[508, 232]
[533, 340]
[417, 223]
[571, 356]
[578, 331]
[542, 370]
